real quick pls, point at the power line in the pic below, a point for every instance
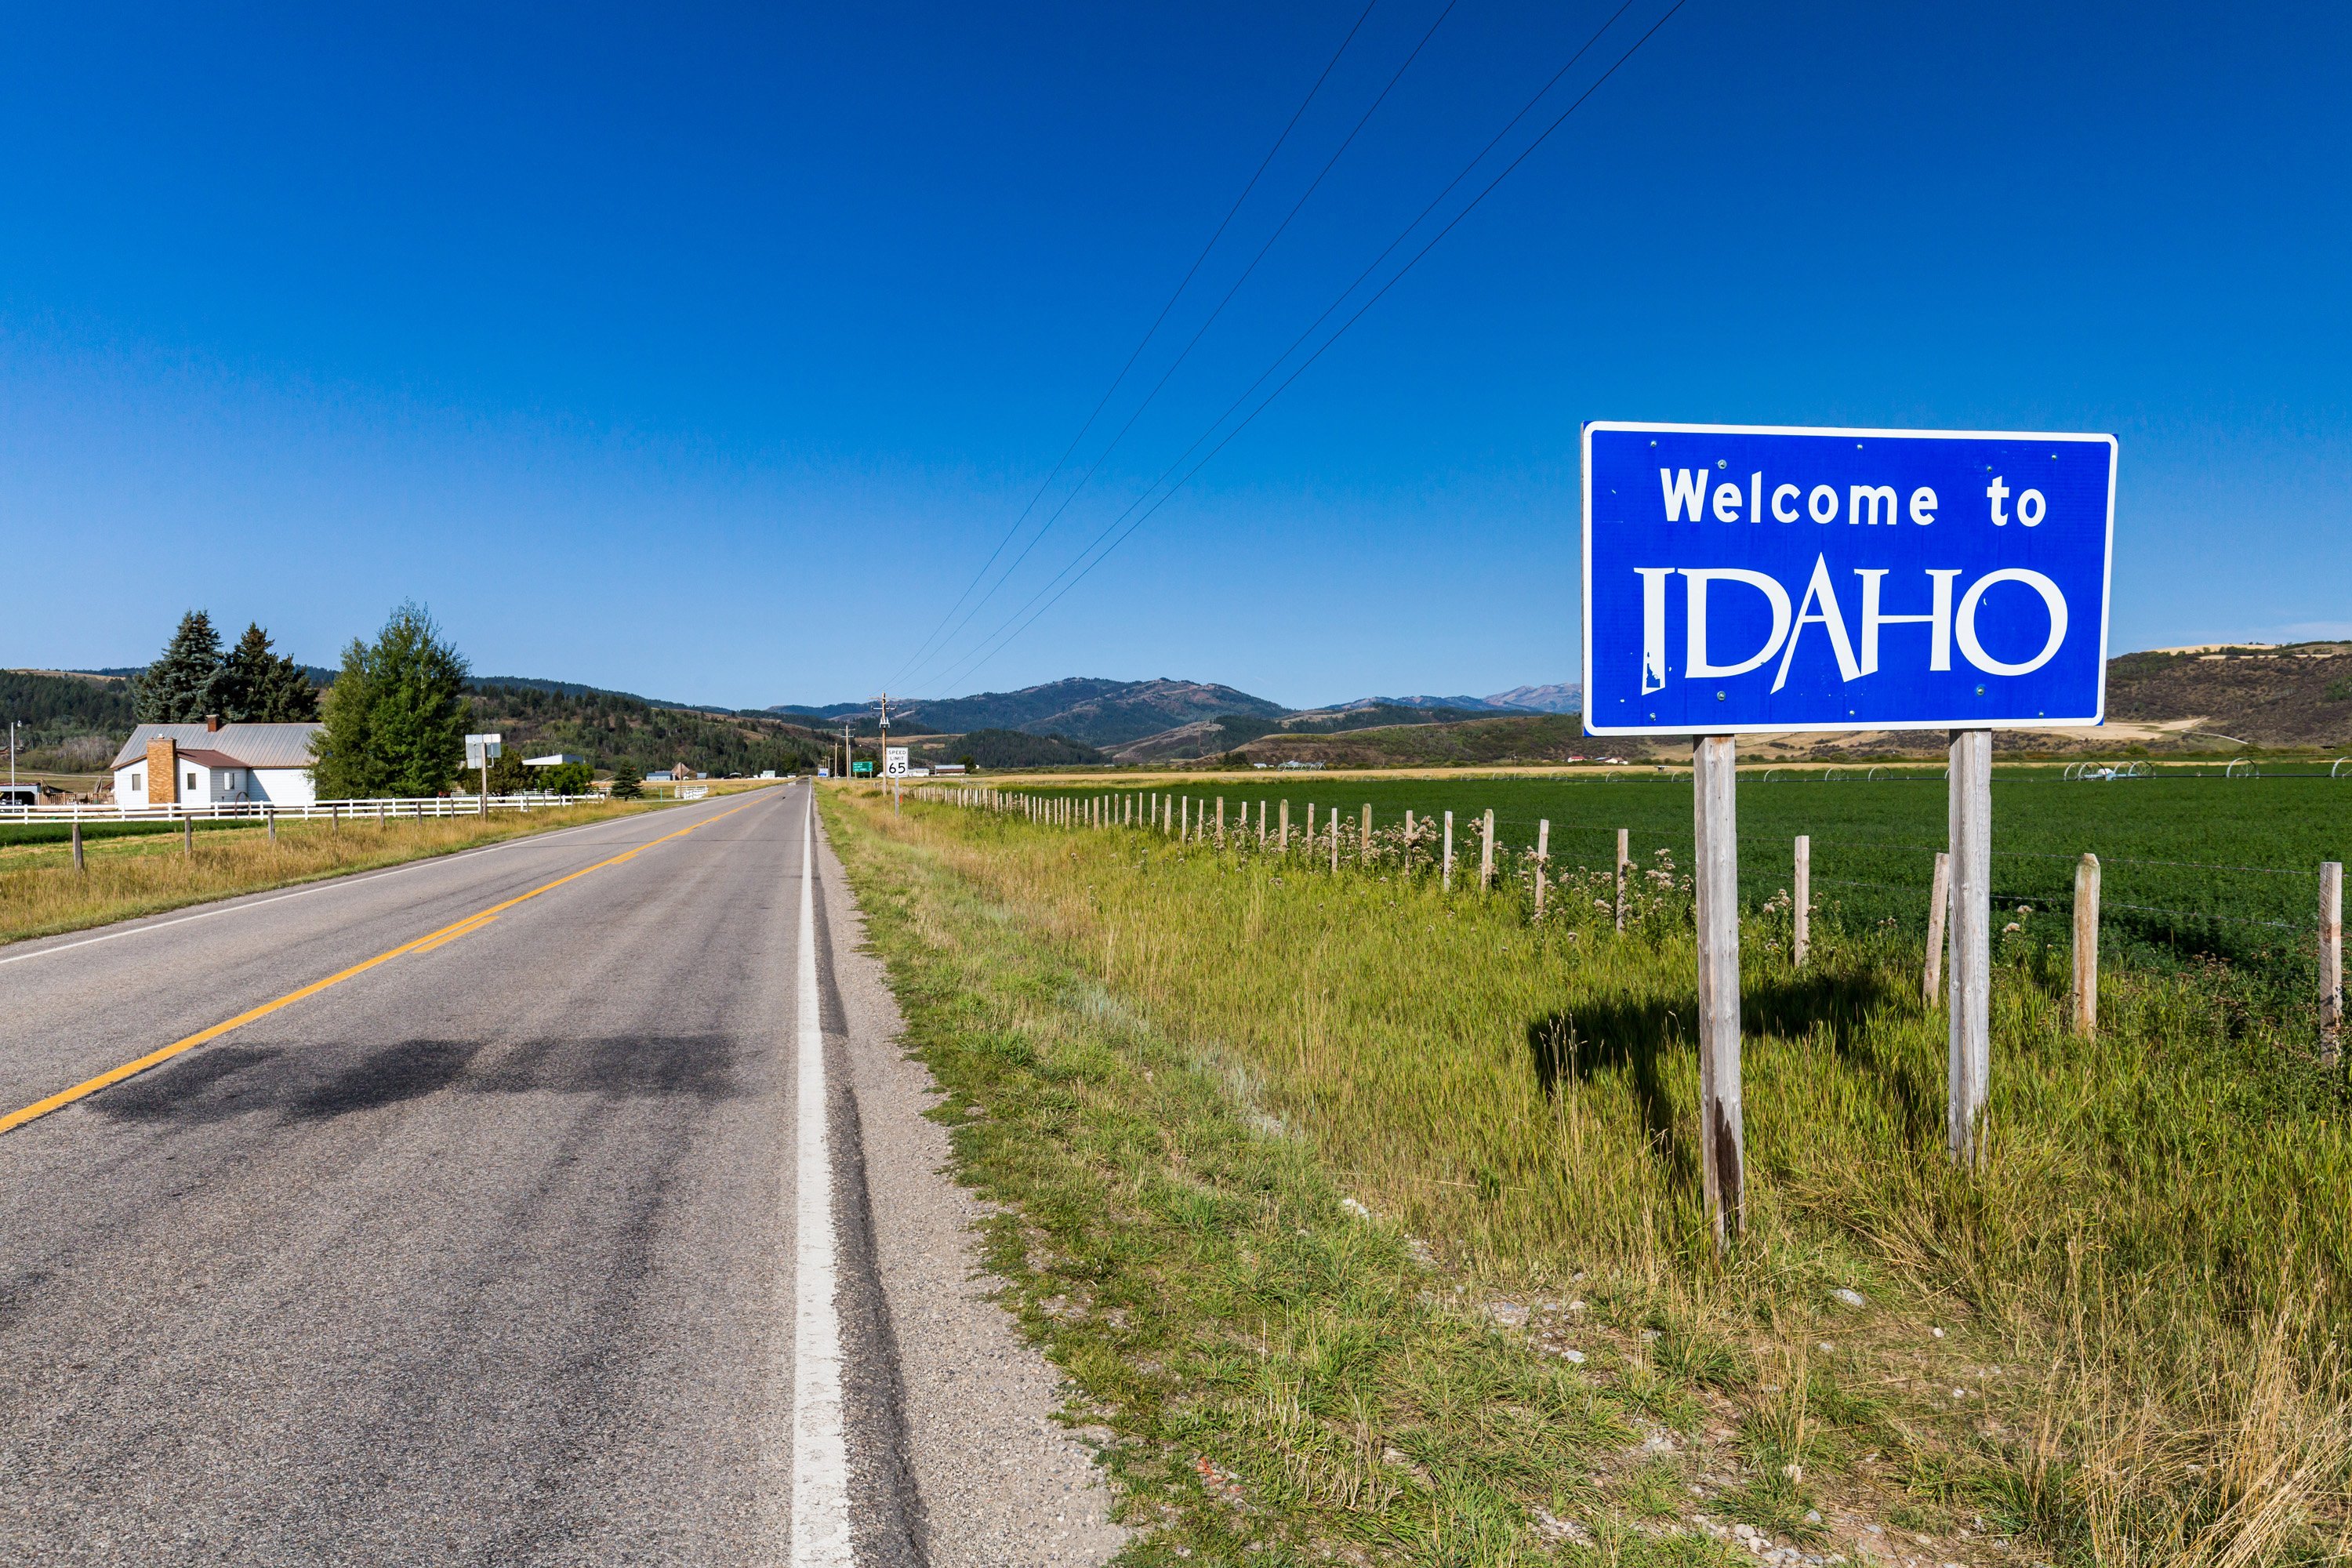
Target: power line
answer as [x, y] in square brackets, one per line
[1116, 380]
[998, 640]
[1210, 321]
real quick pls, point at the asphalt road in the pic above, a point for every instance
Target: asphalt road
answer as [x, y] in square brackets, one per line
[486, 1252]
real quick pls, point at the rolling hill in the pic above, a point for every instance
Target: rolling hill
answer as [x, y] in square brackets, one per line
[1093, 712]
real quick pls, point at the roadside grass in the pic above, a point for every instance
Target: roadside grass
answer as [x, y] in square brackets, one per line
[2119, 1342]
[142, 874]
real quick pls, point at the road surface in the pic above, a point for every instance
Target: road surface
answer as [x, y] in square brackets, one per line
[585, 1215]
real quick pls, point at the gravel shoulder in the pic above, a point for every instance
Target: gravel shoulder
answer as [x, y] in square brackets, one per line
[1002, 1481]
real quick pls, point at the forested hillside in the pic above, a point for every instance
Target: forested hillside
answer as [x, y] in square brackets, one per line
[630, 737]
[72, 724]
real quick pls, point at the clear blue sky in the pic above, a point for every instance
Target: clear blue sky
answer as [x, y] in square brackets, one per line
[708, 353]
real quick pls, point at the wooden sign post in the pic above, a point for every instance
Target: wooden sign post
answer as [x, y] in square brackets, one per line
[1970, 1077]
[1717, 879]
[1802, 912]
[2087, 946]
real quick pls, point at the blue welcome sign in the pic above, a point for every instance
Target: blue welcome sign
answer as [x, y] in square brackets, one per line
[1753, 577]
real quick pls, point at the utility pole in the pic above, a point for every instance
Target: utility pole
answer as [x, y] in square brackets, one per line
[885, 701]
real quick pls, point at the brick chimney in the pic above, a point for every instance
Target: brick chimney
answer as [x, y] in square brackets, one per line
[162, 771]
[212, 723]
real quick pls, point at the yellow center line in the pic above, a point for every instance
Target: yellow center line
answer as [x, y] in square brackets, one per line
[449, 932]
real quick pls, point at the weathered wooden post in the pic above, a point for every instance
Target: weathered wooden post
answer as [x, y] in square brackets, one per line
[1410, 840]
[2087, 946]
[1543, 862]
[1715, 765]
[2331, 960]
[1447, 881]
[1940, 904]
[1972, 982]
[269, 819]
[1261, 825]
[1486, 853]
[187, 833]
[79, 867]
[1335, 840]
[1310, 826]
[1282, 845]
[1367, 844]
[1802, 911]
[1624, 864]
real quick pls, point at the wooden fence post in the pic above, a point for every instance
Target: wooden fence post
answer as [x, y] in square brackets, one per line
[2331, 960]
[269, 818]
[1802, 912]
[1367, 845]
[2087, 946]
[1410, 840]
[1282, 845]
[1486, 853]
[76, 845]
[1261, 823]
[1970, 1077]
[1624, 860]
[1220, 822]
[1939, 903]
[1543, 862]
[1447, 883]
[187, 834]
[1310, 826]
[1717, 882]
[1335, 841]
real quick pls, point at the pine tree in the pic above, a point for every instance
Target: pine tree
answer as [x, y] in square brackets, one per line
[395, 722]
[183, 685]
[261, 687]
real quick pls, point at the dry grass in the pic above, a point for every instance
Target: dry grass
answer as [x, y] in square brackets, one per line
[2141, 1295]
[41, 894]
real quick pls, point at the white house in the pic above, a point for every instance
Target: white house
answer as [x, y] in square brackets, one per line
[207, 764]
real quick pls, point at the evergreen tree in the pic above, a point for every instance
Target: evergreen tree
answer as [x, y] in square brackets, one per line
[396, 724]
[258, 686]
[183, 685]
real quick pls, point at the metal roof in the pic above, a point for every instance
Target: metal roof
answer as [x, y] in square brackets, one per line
[244, 745]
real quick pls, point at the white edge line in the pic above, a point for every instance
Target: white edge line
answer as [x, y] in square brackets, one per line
[820, 1507]
[325, 884]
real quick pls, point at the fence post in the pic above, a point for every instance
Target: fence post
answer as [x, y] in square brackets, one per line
[1335, 841]
[1625, 859]
[1261, 823]
[1310, 826]
[1368, 833]
[1802, 913]
[77, 843]
[1970, 1077]
[1447, 883]
[1715, 765]
[2087, 946]
[2331, 960]
[1486, 853]
[269, 818]
[1410, 840]
[1543, 861]
[187, 834]
[1939, 900]
[1220, 822]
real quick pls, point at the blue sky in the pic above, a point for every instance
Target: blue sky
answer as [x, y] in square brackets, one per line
[709, 352]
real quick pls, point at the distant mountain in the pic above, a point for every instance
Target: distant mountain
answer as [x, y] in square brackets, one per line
[1560, 697]
[1459, 704]
[1093, 712]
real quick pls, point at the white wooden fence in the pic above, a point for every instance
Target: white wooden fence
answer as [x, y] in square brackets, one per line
[386, 810]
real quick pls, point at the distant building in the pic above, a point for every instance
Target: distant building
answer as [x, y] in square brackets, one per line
[211, 763]
[681, 773]
[554, 759]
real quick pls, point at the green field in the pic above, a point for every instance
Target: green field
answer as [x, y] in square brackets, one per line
[2193, 868]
